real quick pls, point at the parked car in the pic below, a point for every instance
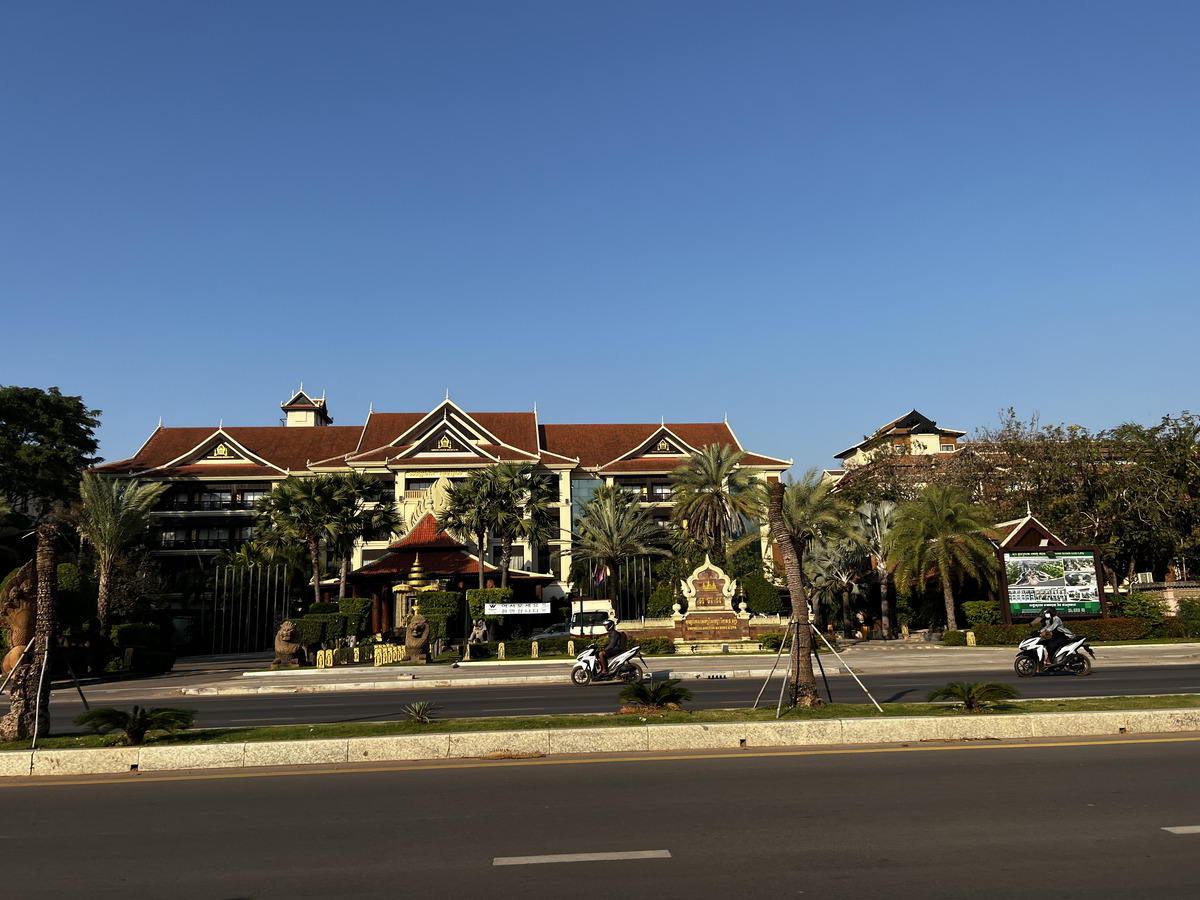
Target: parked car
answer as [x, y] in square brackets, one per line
[554, 631]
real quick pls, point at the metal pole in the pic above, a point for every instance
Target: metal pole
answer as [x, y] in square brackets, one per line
[14, 668]
[37, 705]
[848, 669]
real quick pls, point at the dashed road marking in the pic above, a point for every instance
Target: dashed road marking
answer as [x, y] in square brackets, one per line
[1183, 829]
[579, 857]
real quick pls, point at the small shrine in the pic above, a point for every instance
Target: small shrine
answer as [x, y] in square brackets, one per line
[711, 615]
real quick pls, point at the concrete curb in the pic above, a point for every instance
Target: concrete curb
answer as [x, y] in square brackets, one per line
[618, 739]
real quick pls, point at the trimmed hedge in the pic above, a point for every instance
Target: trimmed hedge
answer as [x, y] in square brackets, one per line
[442, 609]
[322, 609]
[981, 612]
[1116, 629]
[771, 640]
[654, 646]
[959, 638]
[357, 611]
[145, 635]
[477, 597]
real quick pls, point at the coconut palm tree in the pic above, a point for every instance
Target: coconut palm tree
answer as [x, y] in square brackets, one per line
[875, 522]
[802, 514]
[612, 528]
[469, 512]
[364, 508]
[112, 514]
[716, 498]
[304, 511]
[941, 534]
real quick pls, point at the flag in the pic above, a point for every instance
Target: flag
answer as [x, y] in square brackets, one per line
[599, 573]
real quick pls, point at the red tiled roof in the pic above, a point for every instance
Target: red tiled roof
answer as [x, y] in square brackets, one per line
[595, 445]
[426, 534]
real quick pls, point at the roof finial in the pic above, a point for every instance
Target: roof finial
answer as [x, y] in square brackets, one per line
[447, 395]
[662, 421]
[220, 424]
[1028, 511]
[371, 408]
[160, 421]
[535, 407]
[726, 418]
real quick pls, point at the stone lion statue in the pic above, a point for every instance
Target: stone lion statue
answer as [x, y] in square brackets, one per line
[416, 637]
[287, 646]
[18, 613]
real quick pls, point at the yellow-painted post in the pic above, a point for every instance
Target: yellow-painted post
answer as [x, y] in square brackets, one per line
[500, 652]
[534, 650]
[970, 639]
[570, 648]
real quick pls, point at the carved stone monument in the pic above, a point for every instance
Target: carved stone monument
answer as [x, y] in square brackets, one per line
[287, 646]
[710, 615]
[416, 637]
[18, 613]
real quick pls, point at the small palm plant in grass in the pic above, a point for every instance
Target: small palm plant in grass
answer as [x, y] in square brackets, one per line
[656, 695]
[420, 711]
[977, 696]
[137, 724]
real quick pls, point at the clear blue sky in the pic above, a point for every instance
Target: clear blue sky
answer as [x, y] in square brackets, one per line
[810, 217]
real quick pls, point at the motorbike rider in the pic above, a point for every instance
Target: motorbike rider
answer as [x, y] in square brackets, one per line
[1054, 633]
[613, 646]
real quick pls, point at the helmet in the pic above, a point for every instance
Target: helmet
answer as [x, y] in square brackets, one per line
[1049, 612]
[609, 623]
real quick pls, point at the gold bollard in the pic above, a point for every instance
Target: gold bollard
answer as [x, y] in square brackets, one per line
[500, 651]
[534, 650]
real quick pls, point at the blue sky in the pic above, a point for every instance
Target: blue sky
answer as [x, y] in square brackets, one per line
[808, 217]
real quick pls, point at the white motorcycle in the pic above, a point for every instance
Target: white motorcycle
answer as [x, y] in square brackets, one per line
[622, 667]
[1032, 657]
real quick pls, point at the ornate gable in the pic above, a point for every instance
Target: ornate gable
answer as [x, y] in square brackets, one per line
[219, 449]
[662, 444]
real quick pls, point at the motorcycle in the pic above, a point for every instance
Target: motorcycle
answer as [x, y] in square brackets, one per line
[1032, 658]
[622, 667]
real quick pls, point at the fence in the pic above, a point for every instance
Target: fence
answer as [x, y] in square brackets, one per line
[244, 609]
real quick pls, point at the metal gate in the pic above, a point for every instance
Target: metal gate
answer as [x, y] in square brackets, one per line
[248, 605]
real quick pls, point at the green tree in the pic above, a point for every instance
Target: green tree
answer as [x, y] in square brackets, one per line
[717, 499]
[112, 514]
[875, 521]
[46, 440]
[802, 514]
[304, 511]
[364, 508]
[469, 512]
[519, 506]
[942, 533]
[612, 528]
[834, 570]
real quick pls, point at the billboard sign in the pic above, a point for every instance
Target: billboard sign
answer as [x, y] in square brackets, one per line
[1067, 579]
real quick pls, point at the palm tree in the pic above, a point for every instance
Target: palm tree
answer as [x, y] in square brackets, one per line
[802, 514]
[715, 497]
[875, 522]
[364, 509]
[612, 528]
[834, 570]
[113, 514]
[943, 534]
[977, 696]
[520, 508]
[469, 512]
[136, 725]
[304, 511]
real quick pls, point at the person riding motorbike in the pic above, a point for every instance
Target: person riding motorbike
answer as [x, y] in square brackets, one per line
[613, 646]
[1054, 633]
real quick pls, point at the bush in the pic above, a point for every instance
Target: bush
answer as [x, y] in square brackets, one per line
[981, 612]
[136, 634]
[322, 609]
[1122, 629]
[654, 646]
[312, 629]
[477, 597]
[771, 640]
[662, 601]
[1189, 617]
[442, 610]
[956, 638]
[357, 612]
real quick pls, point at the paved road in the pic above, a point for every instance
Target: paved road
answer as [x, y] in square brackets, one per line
[922, 822]
[542, 699]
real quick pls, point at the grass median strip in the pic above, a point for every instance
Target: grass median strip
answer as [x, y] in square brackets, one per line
[341, 730]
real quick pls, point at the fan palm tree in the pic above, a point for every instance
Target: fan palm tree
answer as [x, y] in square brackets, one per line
[716, 497]
[304, 511]
[834, 570]
[469, 512]
[112, 514]
[802, 514]
[612, 528]
[364, 508]
[941, 534]
[875, 522]
[520, 508]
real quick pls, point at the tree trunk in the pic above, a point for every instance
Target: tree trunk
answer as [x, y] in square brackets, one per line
[884, 609]
[28, 713]
[314, 552]
[345, 573]
[803, 683]
[505, 557]
[480, 538]
[948, 596]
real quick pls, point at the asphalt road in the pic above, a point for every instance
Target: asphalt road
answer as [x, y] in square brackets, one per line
[541, 699]
[928, 821]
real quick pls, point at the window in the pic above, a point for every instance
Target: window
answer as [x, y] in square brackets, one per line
[419, 484]
[947, 448]
[251, 497]
[212, 537]
[215, 500]
[660, 493]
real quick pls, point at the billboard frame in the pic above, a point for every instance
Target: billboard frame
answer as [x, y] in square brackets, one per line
[1006, 604]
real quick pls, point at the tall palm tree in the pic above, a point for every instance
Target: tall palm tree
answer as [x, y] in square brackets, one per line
[469, 512]
[941, 532]
[612, 528]
[875, 521]
[715, 497]
[304, 511]
[802, 514]
[520, 508]
[112, 514]
[364, 508]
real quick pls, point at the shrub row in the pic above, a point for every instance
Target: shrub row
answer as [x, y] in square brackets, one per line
[137, 634]
[1115, 629]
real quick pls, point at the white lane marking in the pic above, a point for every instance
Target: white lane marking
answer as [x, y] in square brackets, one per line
[1183, 829]
[578, 857]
